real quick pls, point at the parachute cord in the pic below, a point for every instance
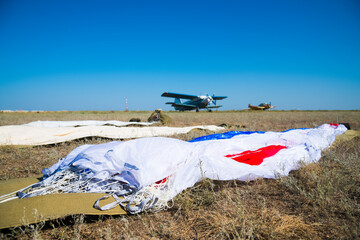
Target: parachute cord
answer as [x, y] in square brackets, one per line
[150, 198]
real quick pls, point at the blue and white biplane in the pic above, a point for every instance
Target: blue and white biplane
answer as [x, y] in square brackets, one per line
[194, 102]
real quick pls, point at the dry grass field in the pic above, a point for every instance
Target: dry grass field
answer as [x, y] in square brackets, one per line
[318, 201]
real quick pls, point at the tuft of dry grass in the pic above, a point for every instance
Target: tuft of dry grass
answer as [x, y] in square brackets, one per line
[28, 161]
[318, 201]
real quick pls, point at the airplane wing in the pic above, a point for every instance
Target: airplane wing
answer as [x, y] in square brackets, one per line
[184, 106]
[178, 95]
[219, 97]
[256, 107]
[217, 106]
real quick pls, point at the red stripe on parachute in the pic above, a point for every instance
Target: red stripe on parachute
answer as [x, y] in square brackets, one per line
[161, 182]
[256, 157]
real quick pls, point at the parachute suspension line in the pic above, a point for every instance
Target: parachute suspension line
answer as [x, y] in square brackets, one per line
[68, 181]
[42, 188]
[153, 197]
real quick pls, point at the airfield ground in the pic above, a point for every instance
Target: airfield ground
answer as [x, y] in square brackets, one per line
[318, 201]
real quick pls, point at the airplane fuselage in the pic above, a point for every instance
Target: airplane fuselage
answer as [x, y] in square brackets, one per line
[201, 101]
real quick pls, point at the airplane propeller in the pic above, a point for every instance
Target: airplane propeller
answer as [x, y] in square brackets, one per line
[209, 98]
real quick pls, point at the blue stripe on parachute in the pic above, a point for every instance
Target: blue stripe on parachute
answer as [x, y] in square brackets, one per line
[231, 134]
[225, 135]
[294, 129]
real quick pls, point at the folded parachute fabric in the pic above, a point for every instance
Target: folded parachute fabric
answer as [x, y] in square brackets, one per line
[147, 173]
[54, 124]
[49, 133]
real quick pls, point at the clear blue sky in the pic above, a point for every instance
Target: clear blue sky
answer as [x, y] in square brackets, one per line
[91, 55]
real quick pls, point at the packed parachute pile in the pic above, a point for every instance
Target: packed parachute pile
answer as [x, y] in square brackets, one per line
[147, 173]
[159, 117]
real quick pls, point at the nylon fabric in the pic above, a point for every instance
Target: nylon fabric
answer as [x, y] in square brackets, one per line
[231, 134]
[256, 157]
[134, 170]
[56, 124]
[42, 135]
[225, 135]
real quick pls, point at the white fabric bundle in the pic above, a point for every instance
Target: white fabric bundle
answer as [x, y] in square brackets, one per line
[50, 133]
[55, 124]
[131, 170]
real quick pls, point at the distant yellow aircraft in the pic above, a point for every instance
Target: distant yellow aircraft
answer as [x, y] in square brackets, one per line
[261, 106]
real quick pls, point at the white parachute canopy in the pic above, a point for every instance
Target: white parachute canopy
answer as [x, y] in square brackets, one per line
[146, 173]
[55, 124]
[50, 132]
